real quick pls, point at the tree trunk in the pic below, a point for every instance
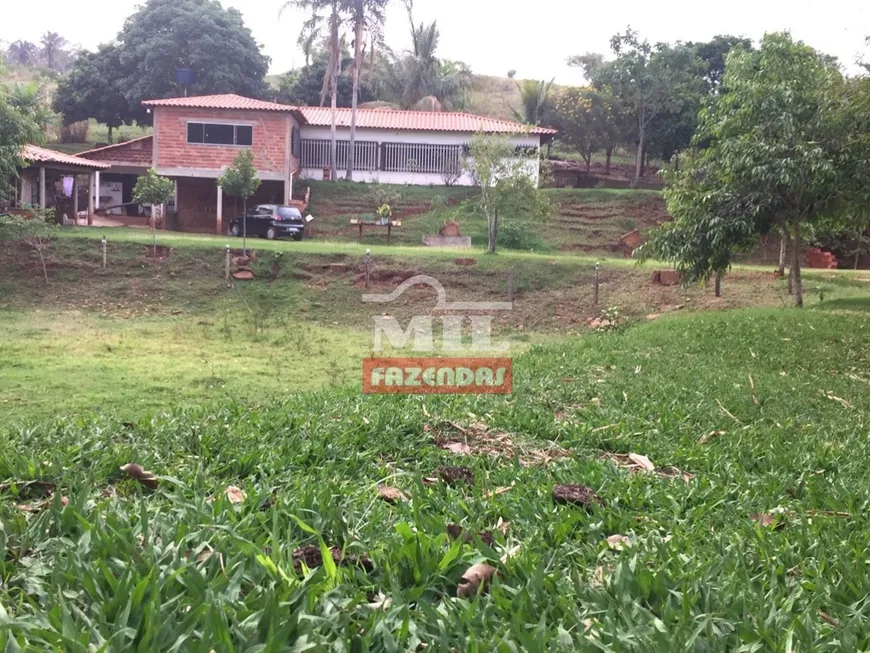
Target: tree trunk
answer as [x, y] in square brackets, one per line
[858, 247]
[111, 140]
[493, 234]
[245, 227]
[783, 246]
[641, 148]
[718, 285]
[357, 64]
[335, 58]
[796, 266]
[607, 163]
[588, 165]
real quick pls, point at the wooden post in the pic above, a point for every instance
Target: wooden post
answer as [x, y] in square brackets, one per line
[91, 176]
[511, 285]
[368, 264]
[220, 210]
[42, 187]
[104, 253]
[95, 188]
[227, 266]
[75, 193]
[597, 283]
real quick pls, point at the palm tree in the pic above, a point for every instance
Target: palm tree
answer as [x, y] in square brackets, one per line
[420, 75]
[52, 44]
[533, 101]
[363, 14]
[332, 11]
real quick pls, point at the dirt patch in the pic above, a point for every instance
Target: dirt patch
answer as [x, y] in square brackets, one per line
[477, 439]
[577, 495]
[313, 557]
[156, 255]
[456, 475]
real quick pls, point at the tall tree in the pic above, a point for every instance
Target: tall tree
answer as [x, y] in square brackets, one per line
[302, 87]
[17, 129]
[778, 153]
[23, 53]
[363, 15]
[585, 121]
[330, 12]
[165, 35]
[418, 79]
[534, 101]
[714, 53]
[52, 45]
[648, 80]
[91, 90]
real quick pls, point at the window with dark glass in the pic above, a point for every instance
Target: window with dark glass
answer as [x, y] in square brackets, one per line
[219, 134]
[244, 135]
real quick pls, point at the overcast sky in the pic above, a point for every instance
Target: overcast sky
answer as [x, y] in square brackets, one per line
[492, 36]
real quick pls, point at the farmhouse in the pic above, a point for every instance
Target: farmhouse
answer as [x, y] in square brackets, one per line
[196, 138]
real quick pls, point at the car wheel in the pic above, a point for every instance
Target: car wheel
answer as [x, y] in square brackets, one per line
[271, 234]
[235, 231]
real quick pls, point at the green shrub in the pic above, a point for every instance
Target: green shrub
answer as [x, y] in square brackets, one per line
[514, 235]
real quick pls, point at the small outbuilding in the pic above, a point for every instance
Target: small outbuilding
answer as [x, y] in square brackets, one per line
[56, 180]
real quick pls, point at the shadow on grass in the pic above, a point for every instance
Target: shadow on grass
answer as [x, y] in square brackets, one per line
[846, 303]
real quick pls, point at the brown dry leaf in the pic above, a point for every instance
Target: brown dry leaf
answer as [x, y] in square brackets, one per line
[137, 472]
[498, 491]
[430, 480]
[459, 448]
[828, 619]
[391, 494]
[618, 542]
[476, 578]
[712, 434]
[597, 579]
[642, 461]
[205, 554]
[502, 526]
[235, 495]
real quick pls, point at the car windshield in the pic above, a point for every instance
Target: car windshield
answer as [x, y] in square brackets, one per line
[288, 212]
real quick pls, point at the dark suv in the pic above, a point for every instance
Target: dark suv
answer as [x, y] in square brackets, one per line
[271, 221]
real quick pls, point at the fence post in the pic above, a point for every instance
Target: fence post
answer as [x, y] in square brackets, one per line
[227, 266]
[597, 282]
[104, 252]
[511, 282]
[368, 262]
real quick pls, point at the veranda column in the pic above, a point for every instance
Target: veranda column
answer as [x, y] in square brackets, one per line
[42, 187]
[91, 177]
[220, 210]
[75, 193]
[95, 189]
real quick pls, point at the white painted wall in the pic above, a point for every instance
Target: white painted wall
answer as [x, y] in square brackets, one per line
[401, 136]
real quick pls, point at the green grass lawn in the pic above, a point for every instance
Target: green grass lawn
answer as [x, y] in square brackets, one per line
[765, 411]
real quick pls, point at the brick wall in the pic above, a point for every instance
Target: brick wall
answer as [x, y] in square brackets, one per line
[139, 151]
[197, 205]
[173, 150]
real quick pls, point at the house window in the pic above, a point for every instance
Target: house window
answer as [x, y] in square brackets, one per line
[316, 154]
[421, 157]
[204, 133]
